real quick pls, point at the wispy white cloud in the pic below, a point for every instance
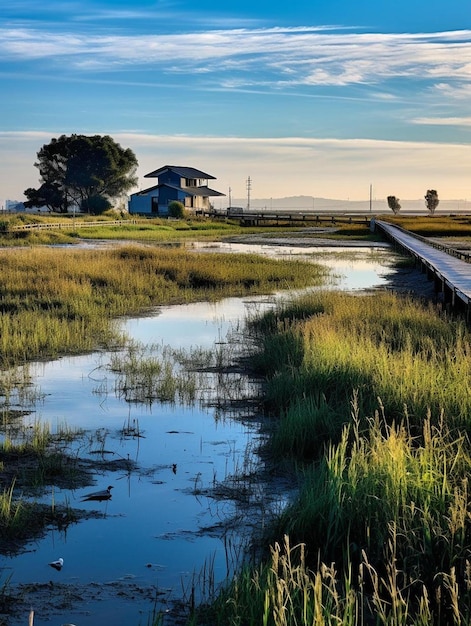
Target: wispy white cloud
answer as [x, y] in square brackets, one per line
[455, 91]
[443, 121]
[285, 56]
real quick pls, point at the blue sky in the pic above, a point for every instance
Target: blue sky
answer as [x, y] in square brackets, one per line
[319, 97]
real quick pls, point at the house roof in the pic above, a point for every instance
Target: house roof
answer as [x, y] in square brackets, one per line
[143, 192]
[190, 191]
[184, 172]
[203, 191]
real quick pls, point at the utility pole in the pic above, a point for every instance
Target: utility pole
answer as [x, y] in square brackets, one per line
[230, 197]
[249, 187]
[371, 197]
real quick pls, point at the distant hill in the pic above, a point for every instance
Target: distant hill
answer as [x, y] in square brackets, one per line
[309, 203]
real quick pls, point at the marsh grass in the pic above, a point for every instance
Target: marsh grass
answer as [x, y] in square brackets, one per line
[10, 511]
[434, 226]
[287, 591]
[149, 373]
[374, 397]
[55, 301]
[34, 456]
[386, 476]
[22, 520]
[146, 230]
[381, 504]
[16, 390]
[145, 373]
[162, 230]
[318, 349]
[33, 459]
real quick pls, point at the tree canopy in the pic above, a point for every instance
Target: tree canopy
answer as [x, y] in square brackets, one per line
[431, 200]
[393, 204]
[87, 172]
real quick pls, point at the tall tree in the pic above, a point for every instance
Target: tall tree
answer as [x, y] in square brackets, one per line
[431, 200]
[83, 171]
[393, 204]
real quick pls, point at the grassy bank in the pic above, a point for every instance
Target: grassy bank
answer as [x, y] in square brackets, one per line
[370, 397]
[70, 230]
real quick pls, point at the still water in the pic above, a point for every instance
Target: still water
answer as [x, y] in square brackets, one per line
[163, 531]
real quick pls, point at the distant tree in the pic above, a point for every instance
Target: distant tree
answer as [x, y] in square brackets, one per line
[431, 200]
[393, 204]
[176, 209]
[83, 171]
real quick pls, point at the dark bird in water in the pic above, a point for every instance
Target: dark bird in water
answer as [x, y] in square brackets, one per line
[99, 495]
[57, 564]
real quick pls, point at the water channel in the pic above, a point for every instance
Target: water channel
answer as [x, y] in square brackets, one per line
[163, 529]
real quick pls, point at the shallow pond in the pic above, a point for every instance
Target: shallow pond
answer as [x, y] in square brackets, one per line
[172, 523]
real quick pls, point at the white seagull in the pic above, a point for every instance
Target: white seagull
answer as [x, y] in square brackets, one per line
[99, 495]
[57, 564]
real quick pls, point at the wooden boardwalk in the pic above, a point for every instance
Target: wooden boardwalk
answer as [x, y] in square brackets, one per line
[259, 217]
[452, 274]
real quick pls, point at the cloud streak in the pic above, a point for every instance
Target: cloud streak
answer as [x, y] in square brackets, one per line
[443, 121]
[286, 57]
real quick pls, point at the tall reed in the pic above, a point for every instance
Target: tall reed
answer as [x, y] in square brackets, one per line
[287, 591]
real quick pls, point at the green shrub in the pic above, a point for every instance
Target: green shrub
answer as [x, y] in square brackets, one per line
[177, 210]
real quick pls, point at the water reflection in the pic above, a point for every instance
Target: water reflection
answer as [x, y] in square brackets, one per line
[166, 462]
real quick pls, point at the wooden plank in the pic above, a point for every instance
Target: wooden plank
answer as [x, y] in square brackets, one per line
[452, 271]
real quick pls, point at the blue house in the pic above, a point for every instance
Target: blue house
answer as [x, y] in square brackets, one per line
[184, 184]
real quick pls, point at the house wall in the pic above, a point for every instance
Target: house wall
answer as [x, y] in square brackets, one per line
[139, 204]
[142, 203]
[170, 178]
[192, 182]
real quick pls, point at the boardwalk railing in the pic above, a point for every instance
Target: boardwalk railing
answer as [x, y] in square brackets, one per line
[256, 217]
[459, 254]
[450, 272]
